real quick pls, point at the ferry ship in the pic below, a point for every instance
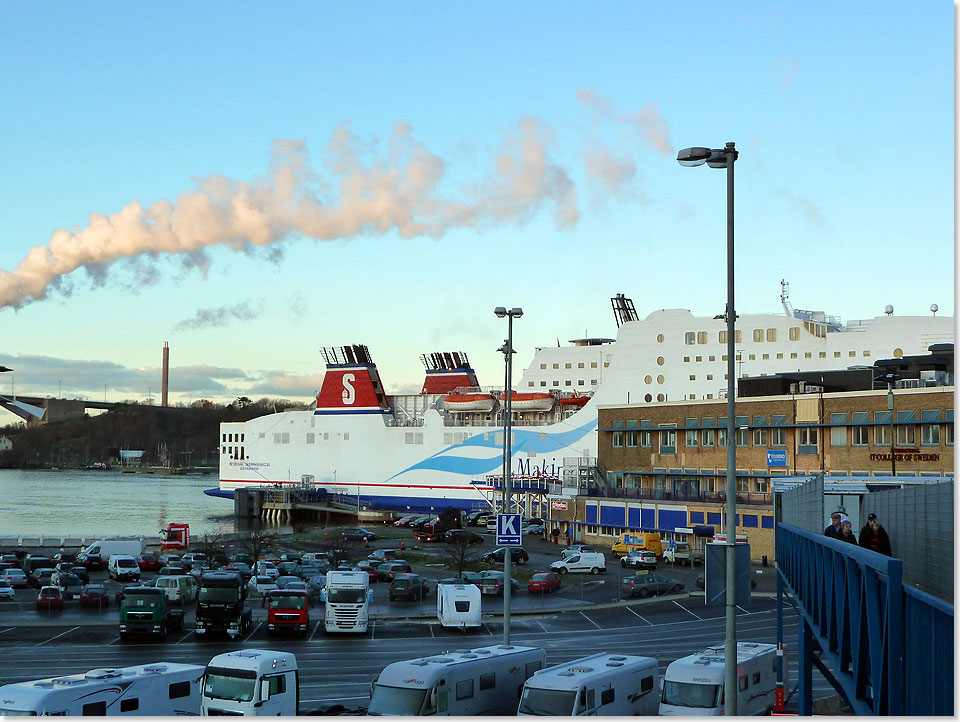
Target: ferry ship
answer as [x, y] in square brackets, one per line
[444, 446]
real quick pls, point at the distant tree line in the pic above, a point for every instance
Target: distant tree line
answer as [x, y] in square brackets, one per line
[177, 436]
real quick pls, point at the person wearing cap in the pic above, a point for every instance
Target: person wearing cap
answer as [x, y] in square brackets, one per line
[874, 537]
[833, 530]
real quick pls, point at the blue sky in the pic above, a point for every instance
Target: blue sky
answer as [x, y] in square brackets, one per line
[316, 174]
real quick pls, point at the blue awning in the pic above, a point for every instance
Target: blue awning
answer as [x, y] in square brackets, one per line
[702, 530]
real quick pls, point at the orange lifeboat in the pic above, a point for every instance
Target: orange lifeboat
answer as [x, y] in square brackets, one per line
[575, 401]
[529, 402]
[466, 402]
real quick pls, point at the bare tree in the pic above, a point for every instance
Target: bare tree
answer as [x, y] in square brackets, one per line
[459, 554]
[215, 548]
[258, 541]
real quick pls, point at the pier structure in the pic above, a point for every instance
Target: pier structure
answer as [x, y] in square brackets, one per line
[287, 505]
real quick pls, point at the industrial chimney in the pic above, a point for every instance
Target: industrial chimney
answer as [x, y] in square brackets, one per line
[165, 380]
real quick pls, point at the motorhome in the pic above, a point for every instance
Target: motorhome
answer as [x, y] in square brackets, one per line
[347, 596]
[693, 685]
[251, 682]
[157, 690]
[458, 606]
[96, 555]
[481, 681]
[601, 684]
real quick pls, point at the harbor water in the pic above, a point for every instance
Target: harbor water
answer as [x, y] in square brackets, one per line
[108, 503]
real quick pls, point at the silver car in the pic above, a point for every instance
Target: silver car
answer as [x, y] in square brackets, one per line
[14, 577]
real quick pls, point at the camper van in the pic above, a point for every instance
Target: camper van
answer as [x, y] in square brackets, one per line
[481, 681]
[458, 606]
[601, 684]
[252, 682]
[156, 690]
[693, 685]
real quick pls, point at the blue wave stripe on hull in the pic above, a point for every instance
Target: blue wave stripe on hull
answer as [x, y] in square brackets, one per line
[419, 504]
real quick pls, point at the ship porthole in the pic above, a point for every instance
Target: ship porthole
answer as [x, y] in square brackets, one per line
[659, 360]
[898, 353]
[660, 379]
[648, 379]
[648, 398]
[659, 338]
[659, 397]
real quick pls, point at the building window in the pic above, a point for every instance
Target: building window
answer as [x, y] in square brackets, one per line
[759, 434]
[906, 431]
[631, 439]
[722, 435]
[668, 441]
[930, 432]
[823, 354]
[838, 434]
[866, 354]
[617, 439]
[645, 435]
[852, 354]
[807, 440]
[881, 433]
[948, 429]
[692, 432]
[556, 366]
[566, 366]
[543, 366]
[742, 436]
[707, 435]
[860, 433]
[771, 335]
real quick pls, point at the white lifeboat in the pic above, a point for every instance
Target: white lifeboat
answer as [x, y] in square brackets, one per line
[464, 402]
[529, 402]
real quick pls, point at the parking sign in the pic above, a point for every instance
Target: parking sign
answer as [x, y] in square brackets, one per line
[508, 530]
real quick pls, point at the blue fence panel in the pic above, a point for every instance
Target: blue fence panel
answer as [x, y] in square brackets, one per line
[890, 647]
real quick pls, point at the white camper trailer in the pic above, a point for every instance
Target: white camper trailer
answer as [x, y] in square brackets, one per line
[481, 681]
[693, 685]
[157, 690]
[601, 684]
[458, 606]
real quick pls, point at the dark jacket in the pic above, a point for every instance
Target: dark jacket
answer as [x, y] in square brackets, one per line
[851, 537]
[877, 541]
[832, 531]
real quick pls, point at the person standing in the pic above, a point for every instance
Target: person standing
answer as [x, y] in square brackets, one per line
[846, 532]
[874, 537]
[833, 529]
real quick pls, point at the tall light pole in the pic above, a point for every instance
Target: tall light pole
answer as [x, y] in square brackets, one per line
[725, 158]
[508, 352]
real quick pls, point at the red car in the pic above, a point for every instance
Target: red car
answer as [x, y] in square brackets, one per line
[370, 569]
[50, 598]
[405, 520]
[94, 595]
[544, 582]
[148, 563]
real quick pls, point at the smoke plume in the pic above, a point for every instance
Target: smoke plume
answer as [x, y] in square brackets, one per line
[211, 317]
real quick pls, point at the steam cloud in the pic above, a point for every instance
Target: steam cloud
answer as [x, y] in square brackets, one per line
[361, 191]
[207, 317]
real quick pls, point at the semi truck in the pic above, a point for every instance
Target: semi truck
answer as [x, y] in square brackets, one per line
[693, 685]
[220, 605]
[147, 611]
[601, 684]
[287, 611]
[347, 597]
[160, 689]
[480, 681]
[251, 682]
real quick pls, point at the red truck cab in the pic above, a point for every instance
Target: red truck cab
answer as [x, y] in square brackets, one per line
[287, 611]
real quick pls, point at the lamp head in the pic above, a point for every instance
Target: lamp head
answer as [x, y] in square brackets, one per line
[689, 157]
[500, 311]
[516, 312]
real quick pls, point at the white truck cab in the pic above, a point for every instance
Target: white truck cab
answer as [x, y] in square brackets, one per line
[601, 684]
[251, 682]
[480, 681]
[347, 598]
[693, 685]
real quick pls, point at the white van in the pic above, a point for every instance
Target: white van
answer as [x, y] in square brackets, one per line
[592, 562]
[693, 685]
[94, 555]
[123, 568]
[458, 606]
[601, 684]
[180, 588]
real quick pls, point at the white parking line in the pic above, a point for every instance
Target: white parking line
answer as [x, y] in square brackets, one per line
[488, 630]
[250, 634]
[431, 630]
[59, 635]
[373, 630]
[639, 615]
[184, 637]
[590, 620]
[8, 629]
[743, 610]
[315, 630]
[541, 625]
[687, 610]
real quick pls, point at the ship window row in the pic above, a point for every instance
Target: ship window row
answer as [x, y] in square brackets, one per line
[230, 438]
[779, 356]
[413, 437]
[556, 384]
[234, 452]
[580, 365]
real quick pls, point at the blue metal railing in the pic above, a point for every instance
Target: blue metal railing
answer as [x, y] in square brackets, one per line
[889, 647]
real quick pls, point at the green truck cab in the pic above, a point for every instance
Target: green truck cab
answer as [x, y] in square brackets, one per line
[146, 611]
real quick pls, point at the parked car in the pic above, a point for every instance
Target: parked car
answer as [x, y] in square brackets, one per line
[357, 534]
[388, 570]
[593, 562]
[69, 584]
[478, 518]
[383, 555]
[518, 555]
[409, 587]
[15, 577]
[370, 568]
[10, 559]
[291, 557]
[78, 569]
[465, 578]
[148, 562]
[420, 521]
[298, 585]
[173, 559]
[532, 529]
[240, 568]
[63, 556]
[190, 558]
[305, 571]
[493, 583]
[315, 585]
[543, 582]
[94, 595]
[405, 520]
[40, 576]
[197, 570]
[284, 580]
[49, 598]
[639, 559]
[261, 584]
[316, 558]
[6, 590]
[462, 536]
[575, 549]
[248, 559]
[644, 584]
[172, 571]
[286, 569]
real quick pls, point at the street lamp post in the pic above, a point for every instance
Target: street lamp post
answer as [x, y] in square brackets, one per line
[508, 352]
[725, 158]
